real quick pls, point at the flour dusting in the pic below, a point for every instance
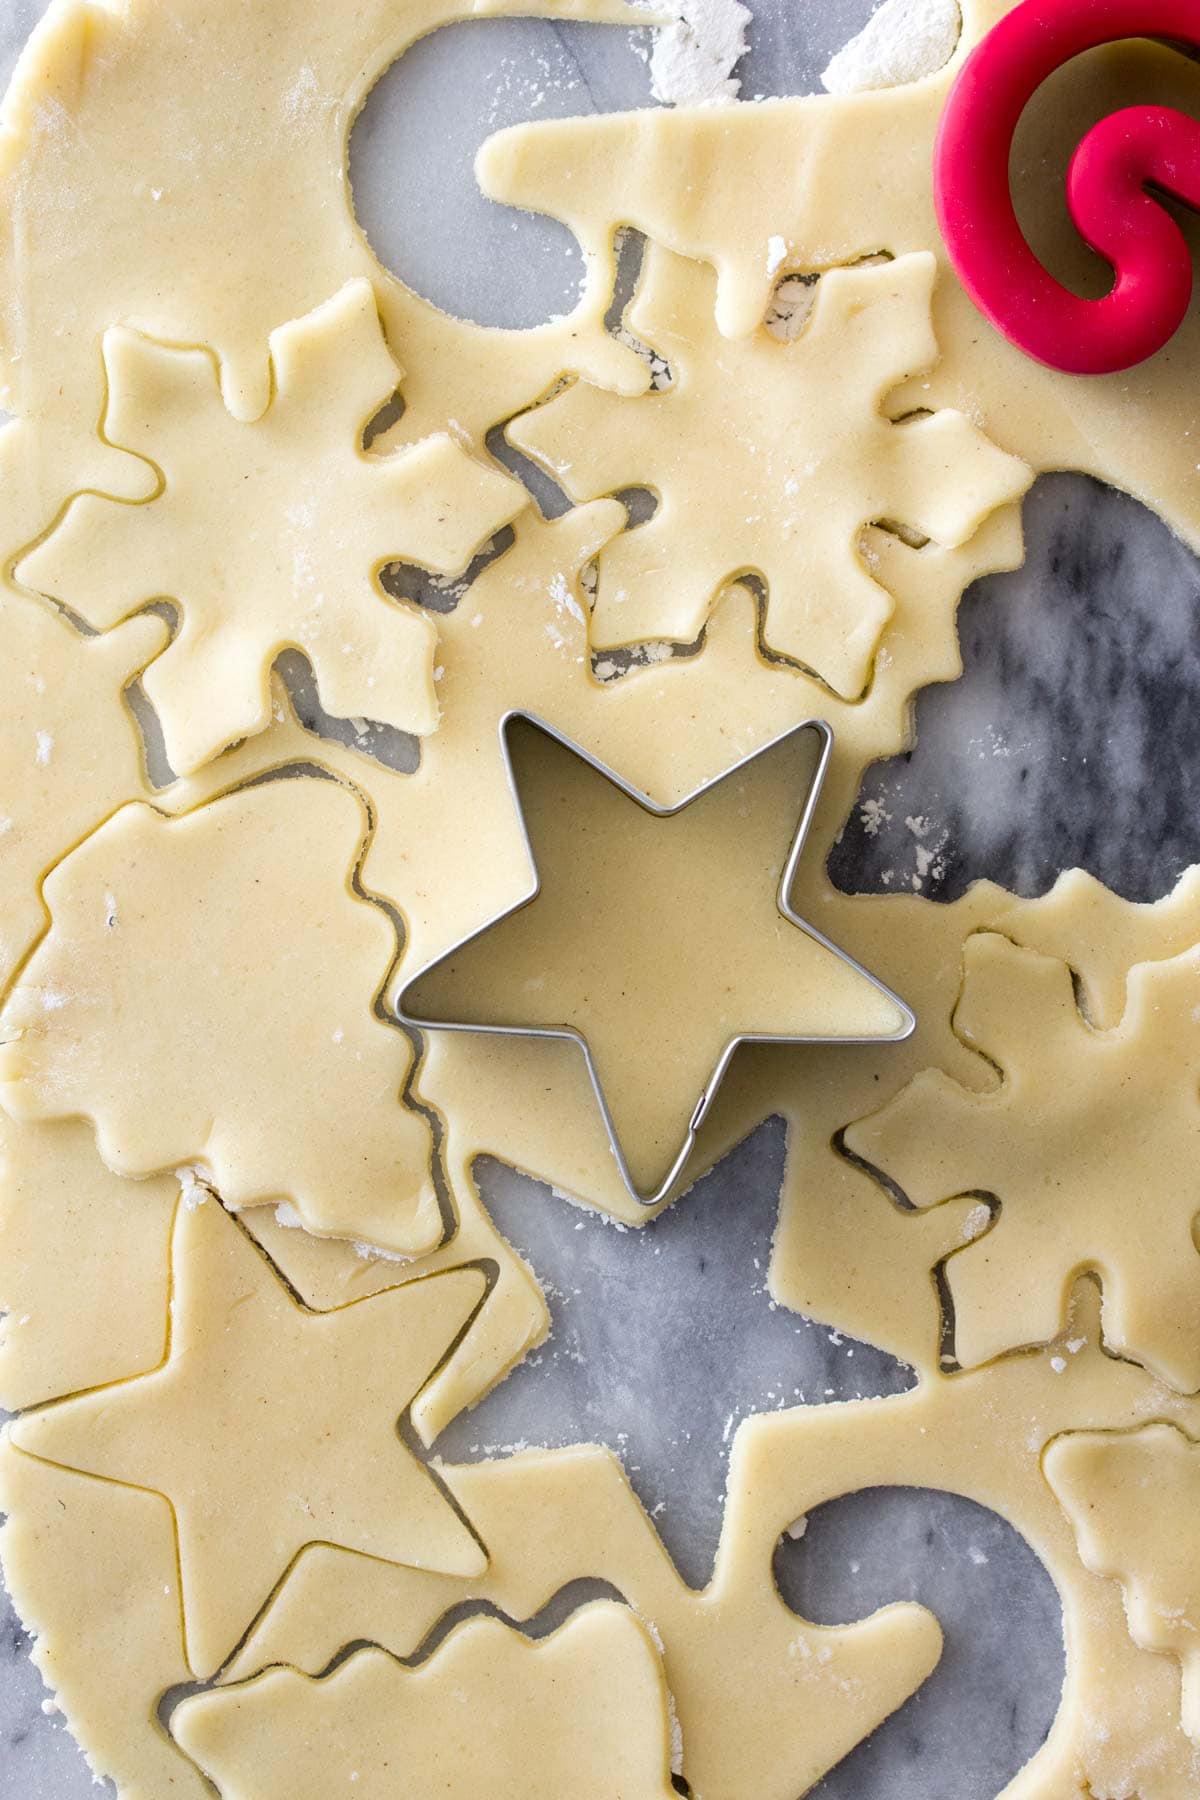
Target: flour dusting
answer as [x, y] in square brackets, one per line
[693, 60]
[372, 1253]
[976, 1222]
[194, 1188]
[904, 41]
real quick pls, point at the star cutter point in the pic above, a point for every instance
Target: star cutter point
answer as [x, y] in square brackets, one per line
[408, 1012]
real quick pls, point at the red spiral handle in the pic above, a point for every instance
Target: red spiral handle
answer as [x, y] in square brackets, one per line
[1106, 189]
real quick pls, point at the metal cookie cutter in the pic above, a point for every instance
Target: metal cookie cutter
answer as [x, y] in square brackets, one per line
[410, 1012]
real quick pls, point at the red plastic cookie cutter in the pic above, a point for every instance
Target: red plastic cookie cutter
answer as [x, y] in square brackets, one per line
[1107, 185]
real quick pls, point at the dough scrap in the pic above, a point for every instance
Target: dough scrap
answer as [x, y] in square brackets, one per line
[1133, 1499]
[662, 956]
[583, 1711]
[807, 459]
[1088, 1142]
[271, 534]
[323, 1460]
[133, 1011]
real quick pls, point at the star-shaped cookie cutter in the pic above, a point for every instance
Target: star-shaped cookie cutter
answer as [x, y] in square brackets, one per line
[667, 1188]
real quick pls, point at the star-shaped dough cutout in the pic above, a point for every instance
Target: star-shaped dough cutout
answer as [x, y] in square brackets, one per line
[658, 938]
[270, 1427]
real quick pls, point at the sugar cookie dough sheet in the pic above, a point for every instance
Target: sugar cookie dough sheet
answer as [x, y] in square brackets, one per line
[247, 1265]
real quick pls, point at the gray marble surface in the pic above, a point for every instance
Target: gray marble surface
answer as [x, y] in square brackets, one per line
[1017, 774]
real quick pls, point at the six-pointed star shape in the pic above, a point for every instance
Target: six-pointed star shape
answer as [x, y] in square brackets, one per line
[270, 1427]
[658, 938]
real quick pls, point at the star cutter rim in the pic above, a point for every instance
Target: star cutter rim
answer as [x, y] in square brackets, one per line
[670, 1186]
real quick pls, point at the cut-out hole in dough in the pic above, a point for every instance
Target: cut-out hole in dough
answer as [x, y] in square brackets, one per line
[548, 496]
[1076, 666]
[395, 749]
[1003, 1661]
[441, 593]
[629, 247]
[388, 415]
[795, 296]
[662, 1340]
[158, 769]
[640, 503]
[412, 153]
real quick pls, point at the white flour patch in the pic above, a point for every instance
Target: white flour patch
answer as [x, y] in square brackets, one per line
[564, 599]
[372, 1253]
[904, 41]
[193, 1186]
[929, 857]
[582, 1206]
[976, 1222]
[792, 302]
[303, 97]
[873, 815]
[693, 60]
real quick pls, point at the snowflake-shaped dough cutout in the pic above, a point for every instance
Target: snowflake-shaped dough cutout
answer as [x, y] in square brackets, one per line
[1090, 1143]
[269, 535]
[770, 456]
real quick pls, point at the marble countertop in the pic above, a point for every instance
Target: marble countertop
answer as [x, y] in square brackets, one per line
[1055, 749]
